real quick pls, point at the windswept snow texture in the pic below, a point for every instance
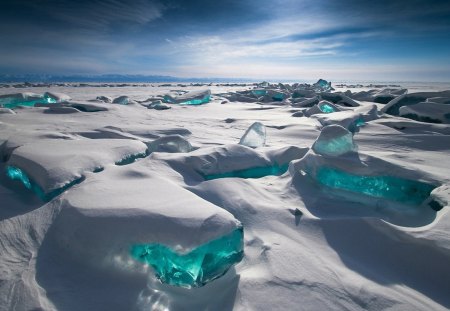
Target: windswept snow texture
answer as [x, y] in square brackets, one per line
[272, 196]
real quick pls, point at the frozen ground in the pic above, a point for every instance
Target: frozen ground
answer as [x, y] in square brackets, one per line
[105, 177]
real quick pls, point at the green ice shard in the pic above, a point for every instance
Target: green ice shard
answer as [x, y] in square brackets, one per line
[406, 191]
[254, 172]
[259, 92]
[198, 101]
[16, 173]
[326, 108]
[197, 267]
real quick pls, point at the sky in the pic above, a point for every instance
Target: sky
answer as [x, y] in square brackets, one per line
[345, 40]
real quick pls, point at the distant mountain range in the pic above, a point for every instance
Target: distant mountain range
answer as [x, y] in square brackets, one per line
[109, 78]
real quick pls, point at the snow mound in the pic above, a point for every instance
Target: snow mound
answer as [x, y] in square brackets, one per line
[427, 112]
[51, 164]
[163, 225]
[393, 107]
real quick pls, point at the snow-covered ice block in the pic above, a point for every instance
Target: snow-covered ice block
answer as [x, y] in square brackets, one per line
[255, 136]
[333, 141]
[322, 107]
[369, 180]
[158, 105]
[53, 97]
[22, 99]
[427, 112]
[190, 98]
[171, 144]
[322, 86]
[128, 218]
[393, 107]
[105, 99]
[121, 100]
[53, 164]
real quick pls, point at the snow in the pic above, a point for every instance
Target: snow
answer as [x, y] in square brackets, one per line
[309, 243]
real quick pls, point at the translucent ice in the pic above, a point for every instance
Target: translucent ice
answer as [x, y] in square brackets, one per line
[21, 99]
[393, 188]
[15, 173]
[190, 98]
[196, 267]
[255, 136]
[326, 108]
[122, 100]
[254, 172]
[334, 140]
[322, 86]
[259, 92]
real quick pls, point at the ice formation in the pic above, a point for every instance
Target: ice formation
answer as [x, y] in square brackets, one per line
[406, 191]
[334, 141]
[427, 112]
[24, 99]
[255, 136]
[186, 240]
[171, 144]
[121, 100]
[50, 164]
[393, 107]
[190, 98]
[254, 172]
[197, 267]
[322, 86]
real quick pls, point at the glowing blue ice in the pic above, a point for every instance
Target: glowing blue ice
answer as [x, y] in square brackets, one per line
[254, 172]
[393, 188]
[196, 267]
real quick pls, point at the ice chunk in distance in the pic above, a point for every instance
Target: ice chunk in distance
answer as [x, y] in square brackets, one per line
[322, 86]
[171, 144]
[255, 136]
[190, 98]
[327, 107]
[11, 101]
[122, 100]
[197, 267]
[334, 140]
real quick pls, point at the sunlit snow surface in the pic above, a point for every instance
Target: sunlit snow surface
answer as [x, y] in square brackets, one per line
[109, 200]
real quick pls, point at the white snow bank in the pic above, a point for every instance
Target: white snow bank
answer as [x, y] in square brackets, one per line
[53, 164]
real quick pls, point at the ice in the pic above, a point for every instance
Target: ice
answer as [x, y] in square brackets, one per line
[259, 93]
[255, 136]
[16, 173]
[22, 99]
[254, 172]
[326, 107]
[196, 267]
[190, 98]
[427, 112]
[322, 86]
[50, 164]
[170, 144]
[121, 100]
[333, 141]
[389, 187]
[105, 99]
[393, 107]
[158, 105]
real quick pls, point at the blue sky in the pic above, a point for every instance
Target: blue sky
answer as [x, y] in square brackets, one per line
[281, 39]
